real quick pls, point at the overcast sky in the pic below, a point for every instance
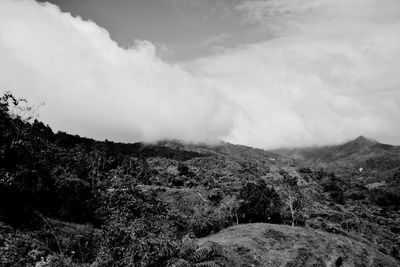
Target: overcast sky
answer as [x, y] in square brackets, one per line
[264, 73]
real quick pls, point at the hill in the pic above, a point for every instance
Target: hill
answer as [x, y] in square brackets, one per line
[373, 159]
[279, 245]
[67, 200]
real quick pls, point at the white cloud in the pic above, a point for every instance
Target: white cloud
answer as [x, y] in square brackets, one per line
[93, 87]
[331, 73]
[216, 39]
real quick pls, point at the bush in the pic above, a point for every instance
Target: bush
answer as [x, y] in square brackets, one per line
[183, 169]
[138, 230]
[75, 200]
[178, 182]
[386, 197]
[259, 203]
[333, 186]
[207, 220]
[148, 241]
[78, 242]
[215, 196]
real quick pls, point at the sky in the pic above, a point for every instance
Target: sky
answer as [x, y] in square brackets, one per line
[180, 29]
[263, 73]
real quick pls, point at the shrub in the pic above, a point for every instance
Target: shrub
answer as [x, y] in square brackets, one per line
[75, 200]
[183, 169]
[178, 181]
[215, 196]
[259, 203]
[386, 197]
[333, 186]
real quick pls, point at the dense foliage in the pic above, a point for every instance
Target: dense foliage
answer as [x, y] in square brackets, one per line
[66, 200]
[259, 203]
[74, 180]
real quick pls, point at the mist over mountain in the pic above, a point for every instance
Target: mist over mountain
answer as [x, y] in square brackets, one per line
[300, 80]
[361, 152]
[67, 200]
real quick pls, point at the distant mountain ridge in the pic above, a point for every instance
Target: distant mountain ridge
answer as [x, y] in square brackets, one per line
[361, 153]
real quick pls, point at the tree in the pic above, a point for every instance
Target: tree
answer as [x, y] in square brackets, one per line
[292, 196]
[143, 171]
[259, 202]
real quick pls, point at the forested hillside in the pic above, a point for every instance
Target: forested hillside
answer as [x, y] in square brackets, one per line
[66, 200]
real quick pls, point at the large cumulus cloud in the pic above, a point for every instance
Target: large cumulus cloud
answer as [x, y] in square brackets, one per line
[93, 87]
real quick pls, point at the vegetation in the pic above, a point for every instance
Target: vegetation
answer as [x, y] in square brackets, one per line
[259, 203]
[261, 244]
[66, 200]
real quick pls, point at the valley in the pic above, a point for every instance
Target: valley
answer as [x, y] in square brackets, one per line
[73, 201]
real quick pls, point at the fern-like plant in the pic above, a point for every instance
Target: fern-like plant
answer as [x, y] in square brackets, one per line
[201, 257]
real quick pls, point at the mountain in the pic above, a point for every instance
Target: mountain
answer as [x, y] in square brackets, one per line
[67, 200]
[359, 155]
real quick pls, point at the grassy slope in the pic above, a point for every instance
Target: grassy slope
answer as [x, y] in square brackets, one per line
[263, 244]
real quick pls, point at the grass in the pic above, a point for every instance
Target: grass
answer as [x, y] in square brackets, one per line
[264, 244]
